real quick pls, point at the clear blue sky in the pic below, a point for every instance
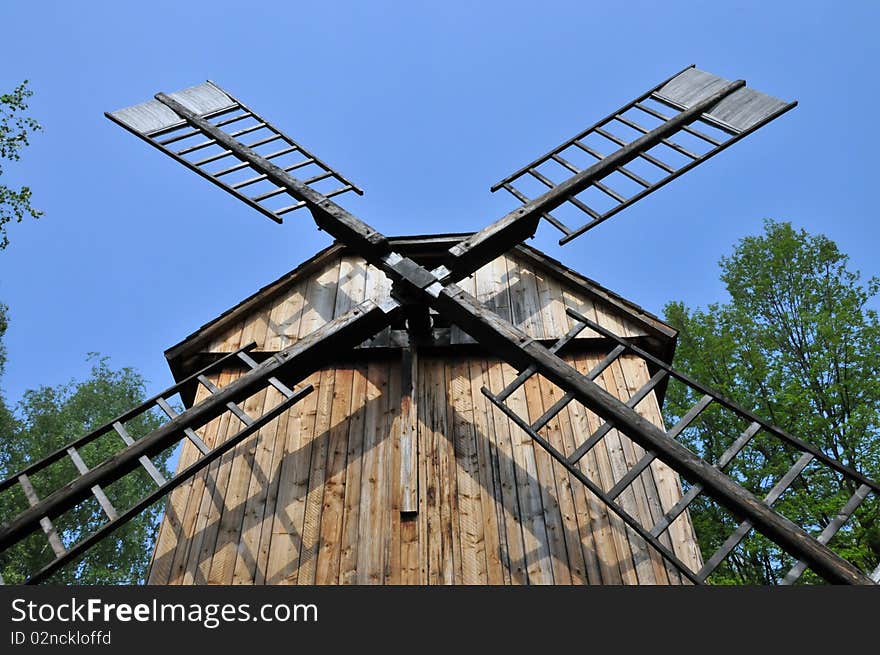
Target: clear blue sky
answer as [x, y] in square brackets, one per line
[422, 104]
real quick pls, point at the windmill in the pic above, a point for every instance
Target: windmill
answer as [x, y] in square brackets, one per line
[678, 124]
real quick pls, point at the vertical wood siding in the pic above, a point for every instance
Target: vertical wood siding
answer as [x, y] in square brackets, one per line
[313, 498]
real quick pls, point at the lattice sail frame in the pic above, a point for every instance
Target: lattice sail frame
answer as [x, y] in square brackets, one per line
[653, 165]
[157, 123]
[194, 110]
[808, 456]
[225, 404]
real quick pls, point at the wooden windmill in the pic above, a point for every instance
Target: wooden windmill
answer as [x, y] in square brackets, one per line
[448, 408]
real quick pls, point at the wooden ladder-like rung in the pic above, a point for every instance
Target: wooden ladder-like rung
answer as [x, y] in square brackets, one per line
[520, 379]
[627, 518]
[830, 530]
[650, 456]
[725, 459]
[145, 461]
[97, 491]
[607, 426]
[232, 407]
[45, 523]
[189, 432]
[283, 389]
[739, 534]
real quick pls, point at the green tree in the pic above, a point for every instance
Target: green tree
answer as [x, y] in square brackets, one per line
[798, 345]
[46, 419]
[15, 130]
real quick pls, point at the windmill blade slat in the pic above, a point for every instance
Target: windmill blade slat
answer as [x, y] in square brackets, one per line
[732, 451]
[839, 520]
[737, 114]
[295, 362]
[743, 529]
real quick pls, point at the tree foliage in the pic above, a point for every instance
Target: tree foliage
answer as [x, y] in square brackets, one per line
[48, 418]
[15, 131]
[798, 345]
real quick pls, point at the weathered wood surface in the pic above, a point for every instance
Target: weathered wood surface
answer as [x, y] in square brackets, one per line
[518, 290]
[314, 497]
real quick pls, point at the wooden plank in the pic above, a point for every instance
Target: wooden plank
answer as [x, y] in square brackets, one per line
[380, 505]
[228, 340]
[513, 521]
[632, 500]
[408, 438]
[279, 452]
[523, 299]
[472, 523]
[571, 300]
[562, 436]
[354, 459]
[599, 469]
[550, 495]
[551, 314]
[451, 558]
[391, 546]
[350, 290]
[234, 498]
[314, 498]
[167, 537]
[241, 563]
[491, 501]
[263, 480]
[287, 525]
[431, 527]
[499, 288]
[378, 288]
[567, 490]
[409, 550]
[662, 482]
[538, 562]
[213, 501]
[175, 533]
[597, 522]
[370, 569]
[591, 293]
[550, 300]
[320, 299]
[285, 316]
[645, 494]
[195, 491]
[330, 545]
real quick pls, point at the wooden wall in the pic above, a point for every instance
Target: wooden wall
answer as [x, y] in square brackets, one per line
[516, 289]
[314, 497]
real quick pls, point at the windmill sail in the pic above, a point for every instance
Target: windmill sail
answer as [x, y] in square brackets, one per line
[642, 146]
[173, 124]
[808, 461]
[291, 364]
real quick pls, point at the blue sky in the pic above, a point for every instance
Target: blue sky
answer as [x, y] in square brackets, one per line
[424, 105]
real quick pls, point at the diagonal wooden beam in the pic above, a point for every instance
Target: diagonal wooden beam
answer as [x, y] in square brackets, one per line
[295, 362]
